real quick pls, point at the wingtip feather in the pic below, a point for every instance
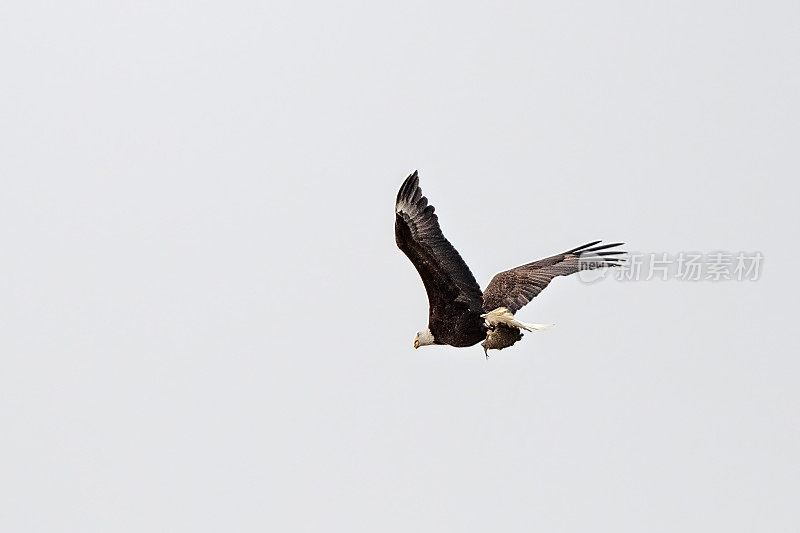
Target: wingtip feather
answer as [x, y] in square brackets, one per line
[595, 249]
[583, 247]
[408, 188]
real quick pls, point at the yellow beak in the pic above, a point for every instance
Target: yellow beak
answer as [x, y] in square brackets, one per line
[416, 343]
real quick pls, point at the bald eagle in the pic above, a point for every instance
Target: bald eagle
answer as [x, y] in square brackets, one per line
[459, 313]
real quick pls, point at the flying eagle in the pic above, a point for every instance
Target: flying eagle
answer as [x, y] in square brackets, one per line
[459, 313]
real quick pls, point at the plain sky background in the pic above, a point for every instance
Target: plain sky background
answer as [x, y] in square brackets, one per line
[205, 324]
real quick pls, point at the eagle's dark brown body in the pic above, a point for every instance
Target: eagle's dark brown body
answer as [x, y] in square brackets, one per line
[465, 329]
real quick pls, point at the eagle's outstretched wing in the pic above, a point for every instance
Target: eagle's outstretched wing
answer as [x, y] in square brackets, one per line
[447, 278]
[517, 287]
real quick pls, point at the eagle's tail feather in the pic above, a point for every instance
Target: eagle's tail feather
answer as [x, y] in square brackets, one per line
[502, 315]
[528, 326]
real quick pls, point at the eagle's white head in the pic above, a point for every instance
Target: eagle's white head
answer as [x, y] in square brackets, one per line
[424, 338]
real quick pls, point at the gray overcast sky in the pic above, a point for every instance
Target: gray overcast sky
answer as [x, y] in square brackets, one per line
[206, 326]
